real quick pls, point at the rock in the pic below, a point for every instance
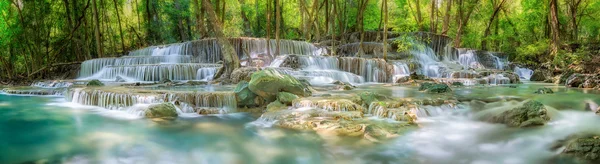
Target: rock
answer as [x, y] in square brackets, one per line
[368, 97]
[286, 98]
[514, 78]
[269, 82]
[243, 74]
[477, 105]
[245, 97]
[120, 79]
[165, 80]
[196, 82]
[591, 82]
[95, 83]
[344, 87]
[597, 111]
[585, 148]
[207, 111]
[415, 76]
[457, 84]
[402, 79]
[575, 80]
[164, 110]
[434, 88]
[541, 75]
[544, 91]
[275, 106]
[530, 113]
[565, 75]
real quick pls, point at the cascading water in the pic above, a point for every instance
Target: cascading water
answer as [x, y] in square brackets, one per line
[524, 73]
[469, 60]
[90, 67]
[155, 72]
[206, 74]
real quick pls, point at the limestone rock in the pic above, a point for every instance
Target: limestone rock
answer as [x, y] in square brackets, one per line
[368, 97]
[245, 97]
[541, 75]
[275, 106]
[544, 91]
[269, 82]
[584, 148]
[286, 98]
[531, 113]
[95, 83]
[434, 88]
[243, 74]
[164, 110]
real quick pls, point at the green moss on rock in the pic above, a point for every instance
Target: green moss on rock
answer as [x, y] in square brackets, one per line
[95, 83]
[164, 110]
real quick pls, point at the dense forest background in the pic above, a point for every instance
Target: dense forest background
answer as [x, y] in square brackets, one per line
[38, 34]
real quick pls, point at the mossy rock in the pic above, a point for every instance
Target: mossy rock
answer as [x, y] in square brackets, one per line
[164, 110]
[457, 84]
[434, 88]
[544, 91]
[245, 97]
[368, 97]
[95, 83]
[269, 82]
[583, 148]
[286, 98]
[531, 113]
[276, 106]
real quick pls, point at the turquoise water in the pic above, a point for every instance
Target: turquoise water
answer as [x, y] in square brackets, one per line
[48, 129]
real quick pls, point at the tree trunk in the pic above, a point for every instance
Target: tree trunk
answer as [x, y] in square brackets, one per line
[433, 17]
[120, 27]
[277, 26]
[247, 27]
[230, 58]
[385, 30]
[200, 19]
[361, 24]
[269, 29]
[419, 18]
[554, 26]
[487, 32]
[97, 30]
[446, 25]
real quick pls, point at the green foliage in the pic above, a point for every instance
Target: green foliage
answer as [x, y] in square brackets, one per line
[532, 53]
[564, 59]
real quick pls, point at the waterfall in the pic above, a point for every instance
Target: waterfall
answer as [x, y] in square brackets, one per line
[154, 72]
[206, 74]
[524, 73]
[35, 91]
[90, 67]
[225, 101]
[497, 79]
[52, 84]
[469, 60]
[109, 100]
[430, 64]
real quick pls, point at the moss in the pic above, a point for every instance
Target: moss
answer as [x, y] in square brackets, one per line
[286, 98]
[95, 83]
[164, 110]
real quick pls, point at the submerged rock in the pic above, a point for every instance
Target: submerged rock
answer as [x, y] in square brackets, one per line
[530, 113]
[434, 88]
[584, 148]
[245, 97]
[276, 106]
[269, 82]
[368, 97]
[164, 110]
[95, 83]
[286, 98]
[120, 79]
[544, 91]
[457, 84]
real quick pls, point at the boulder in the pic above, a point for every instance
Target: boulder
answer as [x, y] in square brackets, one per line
[584, 148]
[541, 75]
[544, 91]
[368, 97]
[245, 97]
[275, 106]
[576, 80]
[286, 98]
[402, 79]
[164, 110]
[243, 74]
[457, 84]
[269, 82]
[527, 114]
[434, 88]
[165, 80]
[95, 83]
[565, 75]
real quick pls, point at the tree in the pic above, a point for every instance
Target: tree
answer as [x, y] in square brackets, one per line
[486, 34]
[99, 47]
[462, 18]
[554, 26]
[230, 58]
[446, 25]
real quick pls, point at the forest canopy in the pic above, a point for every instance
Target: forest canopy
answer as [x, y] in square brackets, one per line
[35, 34]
